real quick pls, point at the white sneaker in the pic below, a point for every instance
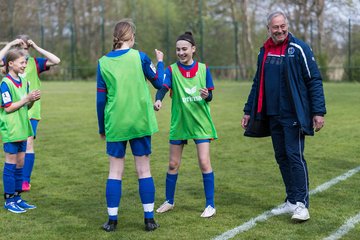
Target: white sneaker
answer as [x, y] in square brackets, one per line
[286, 207]
[208, 212]
[166, 206]
[301, 213]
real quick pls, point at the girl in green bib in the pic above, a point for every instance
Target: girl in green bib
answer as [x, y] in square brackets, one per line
[15, 128]
[35, 66]
[191, 87]
[125, 114]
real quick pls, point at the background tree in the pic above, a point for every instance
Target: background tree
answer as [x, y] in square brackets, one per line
[228, 33]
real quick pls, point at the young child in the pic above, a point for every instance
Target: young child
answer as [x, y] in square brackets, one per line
[125, 113]
[191, 84]
[15, 128]
[35, 66]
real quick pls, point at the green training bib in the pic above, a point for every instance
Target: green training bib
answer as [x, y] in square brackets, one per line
[32, 76]
[190, 114]
[129, 109]
[15, 126]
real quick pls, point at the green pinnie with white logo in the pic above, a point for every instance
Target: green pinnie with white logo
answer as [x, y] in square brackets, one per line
[190, 114]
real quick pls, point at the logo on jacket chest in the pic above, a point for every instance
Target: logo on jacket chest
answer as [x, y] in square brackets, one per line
[291, 51]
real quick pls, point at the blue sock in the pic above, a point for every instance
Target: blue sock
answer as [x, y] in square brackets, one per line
[113, 195]
[209, 188]
[18, 179]
[170, 187]
[28, 166]
[147, 196]
[9, 181]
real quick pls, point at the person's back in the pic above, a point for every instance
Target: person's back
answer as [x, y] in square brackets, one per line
[125, 114]
[120, 73]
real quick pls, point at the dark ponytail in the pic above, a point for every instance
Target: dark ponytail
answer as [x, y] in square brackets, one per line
[187, 36]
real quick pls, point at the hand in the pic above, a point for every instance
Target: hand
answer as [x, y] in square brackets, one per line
[31, 43]
[34, 96]
[204, 93]
[157, 105]
[159, 55]
[245, 121]
[318, 123]
[17, 42]
[102, 136]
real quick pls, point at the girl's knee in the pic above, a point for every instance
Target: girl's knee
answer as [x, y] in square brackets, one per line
[143, 173]
[205, 165]
[174, 166]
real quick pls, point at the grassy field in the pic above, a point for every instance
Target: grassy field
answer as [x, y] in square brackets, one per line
[68, 184]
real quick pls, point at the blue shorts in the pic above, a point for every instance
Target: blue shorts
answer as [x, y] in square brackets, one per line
[15, 147]
[139, 147]
[34, 125]
[180, 142]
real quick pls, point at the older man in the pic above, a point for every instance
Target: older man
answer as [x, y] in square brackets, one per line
[286, 102]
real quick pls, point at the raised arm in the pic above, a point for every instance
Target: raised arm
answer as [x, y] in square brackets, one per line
[52, 58]
[155, 75]
[7, 47]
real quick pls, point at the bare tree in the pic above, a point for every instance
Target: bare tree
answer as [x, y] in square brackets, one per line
[319, 11]
[234, 18]
[247, 37]
[232, 30]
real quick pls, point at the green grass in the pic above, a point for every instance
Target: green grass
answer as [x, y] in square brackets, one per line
[71, 170]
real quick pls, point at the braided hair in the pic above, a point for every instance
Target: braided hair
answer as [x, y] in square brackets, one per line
[123, 31]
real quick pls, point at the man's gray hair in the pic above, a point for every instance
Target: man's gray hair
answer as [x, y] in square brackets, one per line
[275, 14]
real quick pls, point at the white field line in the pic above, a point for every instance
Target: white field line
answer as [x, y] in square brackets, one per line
[266, 215]
[344, 229]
